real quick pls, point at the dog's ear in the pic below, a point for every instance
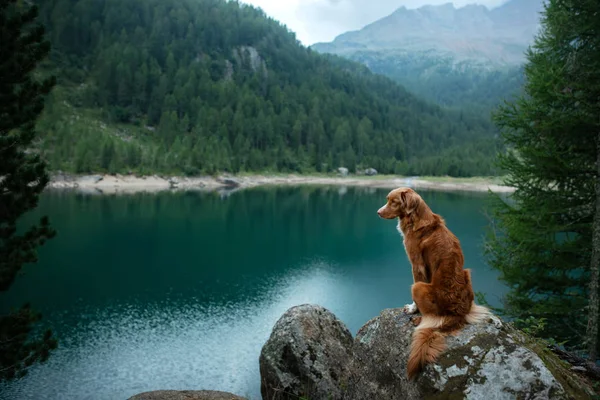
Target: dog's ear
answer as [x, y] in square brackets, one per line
[410, 201]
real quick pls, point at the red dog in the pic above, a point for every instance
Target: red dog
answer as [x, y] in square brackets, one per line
[442, 289]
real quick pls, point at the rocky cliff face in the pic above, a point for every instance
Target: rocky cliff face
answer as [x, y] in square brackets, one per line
[311, 353]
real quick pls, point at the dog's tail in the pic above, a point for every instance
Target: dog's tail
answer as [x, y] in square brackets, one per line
[477, 314]
[429, 338]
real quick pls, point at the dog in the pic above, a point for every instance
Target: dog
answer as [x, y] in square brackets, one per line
[441, 289]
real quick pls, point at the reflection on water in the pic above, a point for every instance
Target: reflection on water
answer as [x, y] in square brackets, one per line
[180, 291]
[124, 350]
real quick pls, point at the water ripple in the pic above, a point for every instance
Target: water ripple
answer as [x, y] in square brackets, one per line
[118, 352]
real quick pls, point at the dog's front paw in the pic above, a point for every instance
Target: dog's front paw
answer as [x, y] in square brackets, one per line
[411, 308]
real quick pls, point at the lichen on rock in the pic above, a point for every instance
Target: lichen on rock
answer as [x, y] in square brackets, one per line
[488, 361]
[306, 355]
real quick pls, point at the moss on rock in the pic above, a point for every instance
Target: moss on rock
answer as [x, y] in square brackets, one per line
[487, 361]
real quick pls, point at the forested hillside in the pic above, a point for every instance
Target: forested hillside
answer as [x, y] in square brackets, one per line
[445, 82]
[200, 86]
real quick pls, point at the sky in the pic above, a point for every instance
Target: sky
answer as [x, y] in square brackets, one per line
[322, 20]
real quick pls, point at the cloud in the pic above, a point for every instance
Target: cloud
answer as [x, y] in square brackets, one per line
[322, 20]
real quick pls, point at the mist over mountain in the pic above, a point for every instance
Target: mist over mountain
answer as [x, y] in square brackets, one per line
[468, 56]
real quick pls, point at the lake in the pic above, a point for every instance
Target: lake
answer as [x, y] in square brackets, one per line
[181, 290]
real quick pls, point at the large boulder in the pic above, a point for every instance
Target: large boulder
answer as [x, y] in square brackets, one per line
[306, 355]
[488, 361]
[186, 395]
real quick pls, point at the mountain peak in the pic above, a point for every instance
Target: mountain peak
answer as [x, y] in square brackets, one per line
[498, 36]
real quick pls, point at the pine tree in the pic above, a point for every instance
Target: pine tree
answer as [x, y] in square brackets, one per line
[579, 37]
[22, 177]
[542, 237]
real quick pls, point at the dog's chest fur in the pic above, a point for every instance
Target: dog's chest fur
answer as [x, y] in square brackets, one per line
[399, 227]
[410, 250]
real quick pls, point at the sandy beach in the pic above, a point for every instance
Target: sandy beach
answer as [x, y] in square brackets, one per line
[125, 184]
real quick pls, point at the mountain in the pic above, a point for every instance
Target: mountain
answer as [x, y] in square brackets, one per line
[201, 86]
[469, 56]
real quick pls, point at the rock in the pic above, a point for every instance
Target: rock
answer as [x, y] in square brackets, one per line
[228, 74]
[305, 356]
[186, 395]
[173, 182]
[229, 182]
[487, 361]
[91, 178]
[578, 364]
[343, 171]
[482, 360]
[370, 171]
[250, 55]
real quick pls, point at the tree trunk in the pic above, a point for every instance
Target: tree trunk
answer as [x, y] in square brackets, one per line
[592, 328]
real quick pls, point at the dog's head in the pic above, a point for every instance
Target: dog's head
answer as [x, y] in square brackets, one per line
[401, 202]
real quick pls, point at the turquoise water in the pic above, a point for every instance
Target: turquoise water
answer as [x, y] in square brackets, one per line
[181, 290]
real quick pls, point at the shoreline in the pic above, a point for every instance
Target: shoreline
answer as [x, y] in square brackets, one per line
[130, 184]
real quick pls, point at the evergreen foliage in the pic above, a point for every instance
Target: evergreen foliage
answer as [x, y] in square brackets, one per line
[542, 241]
[200, 86]
[473, 88]
[22, 177]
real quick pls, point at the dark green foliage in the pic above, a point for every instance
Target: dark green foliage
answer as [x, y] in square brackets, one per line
[475, 89]
[542, 243]
[22, 176]
[224, 88]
